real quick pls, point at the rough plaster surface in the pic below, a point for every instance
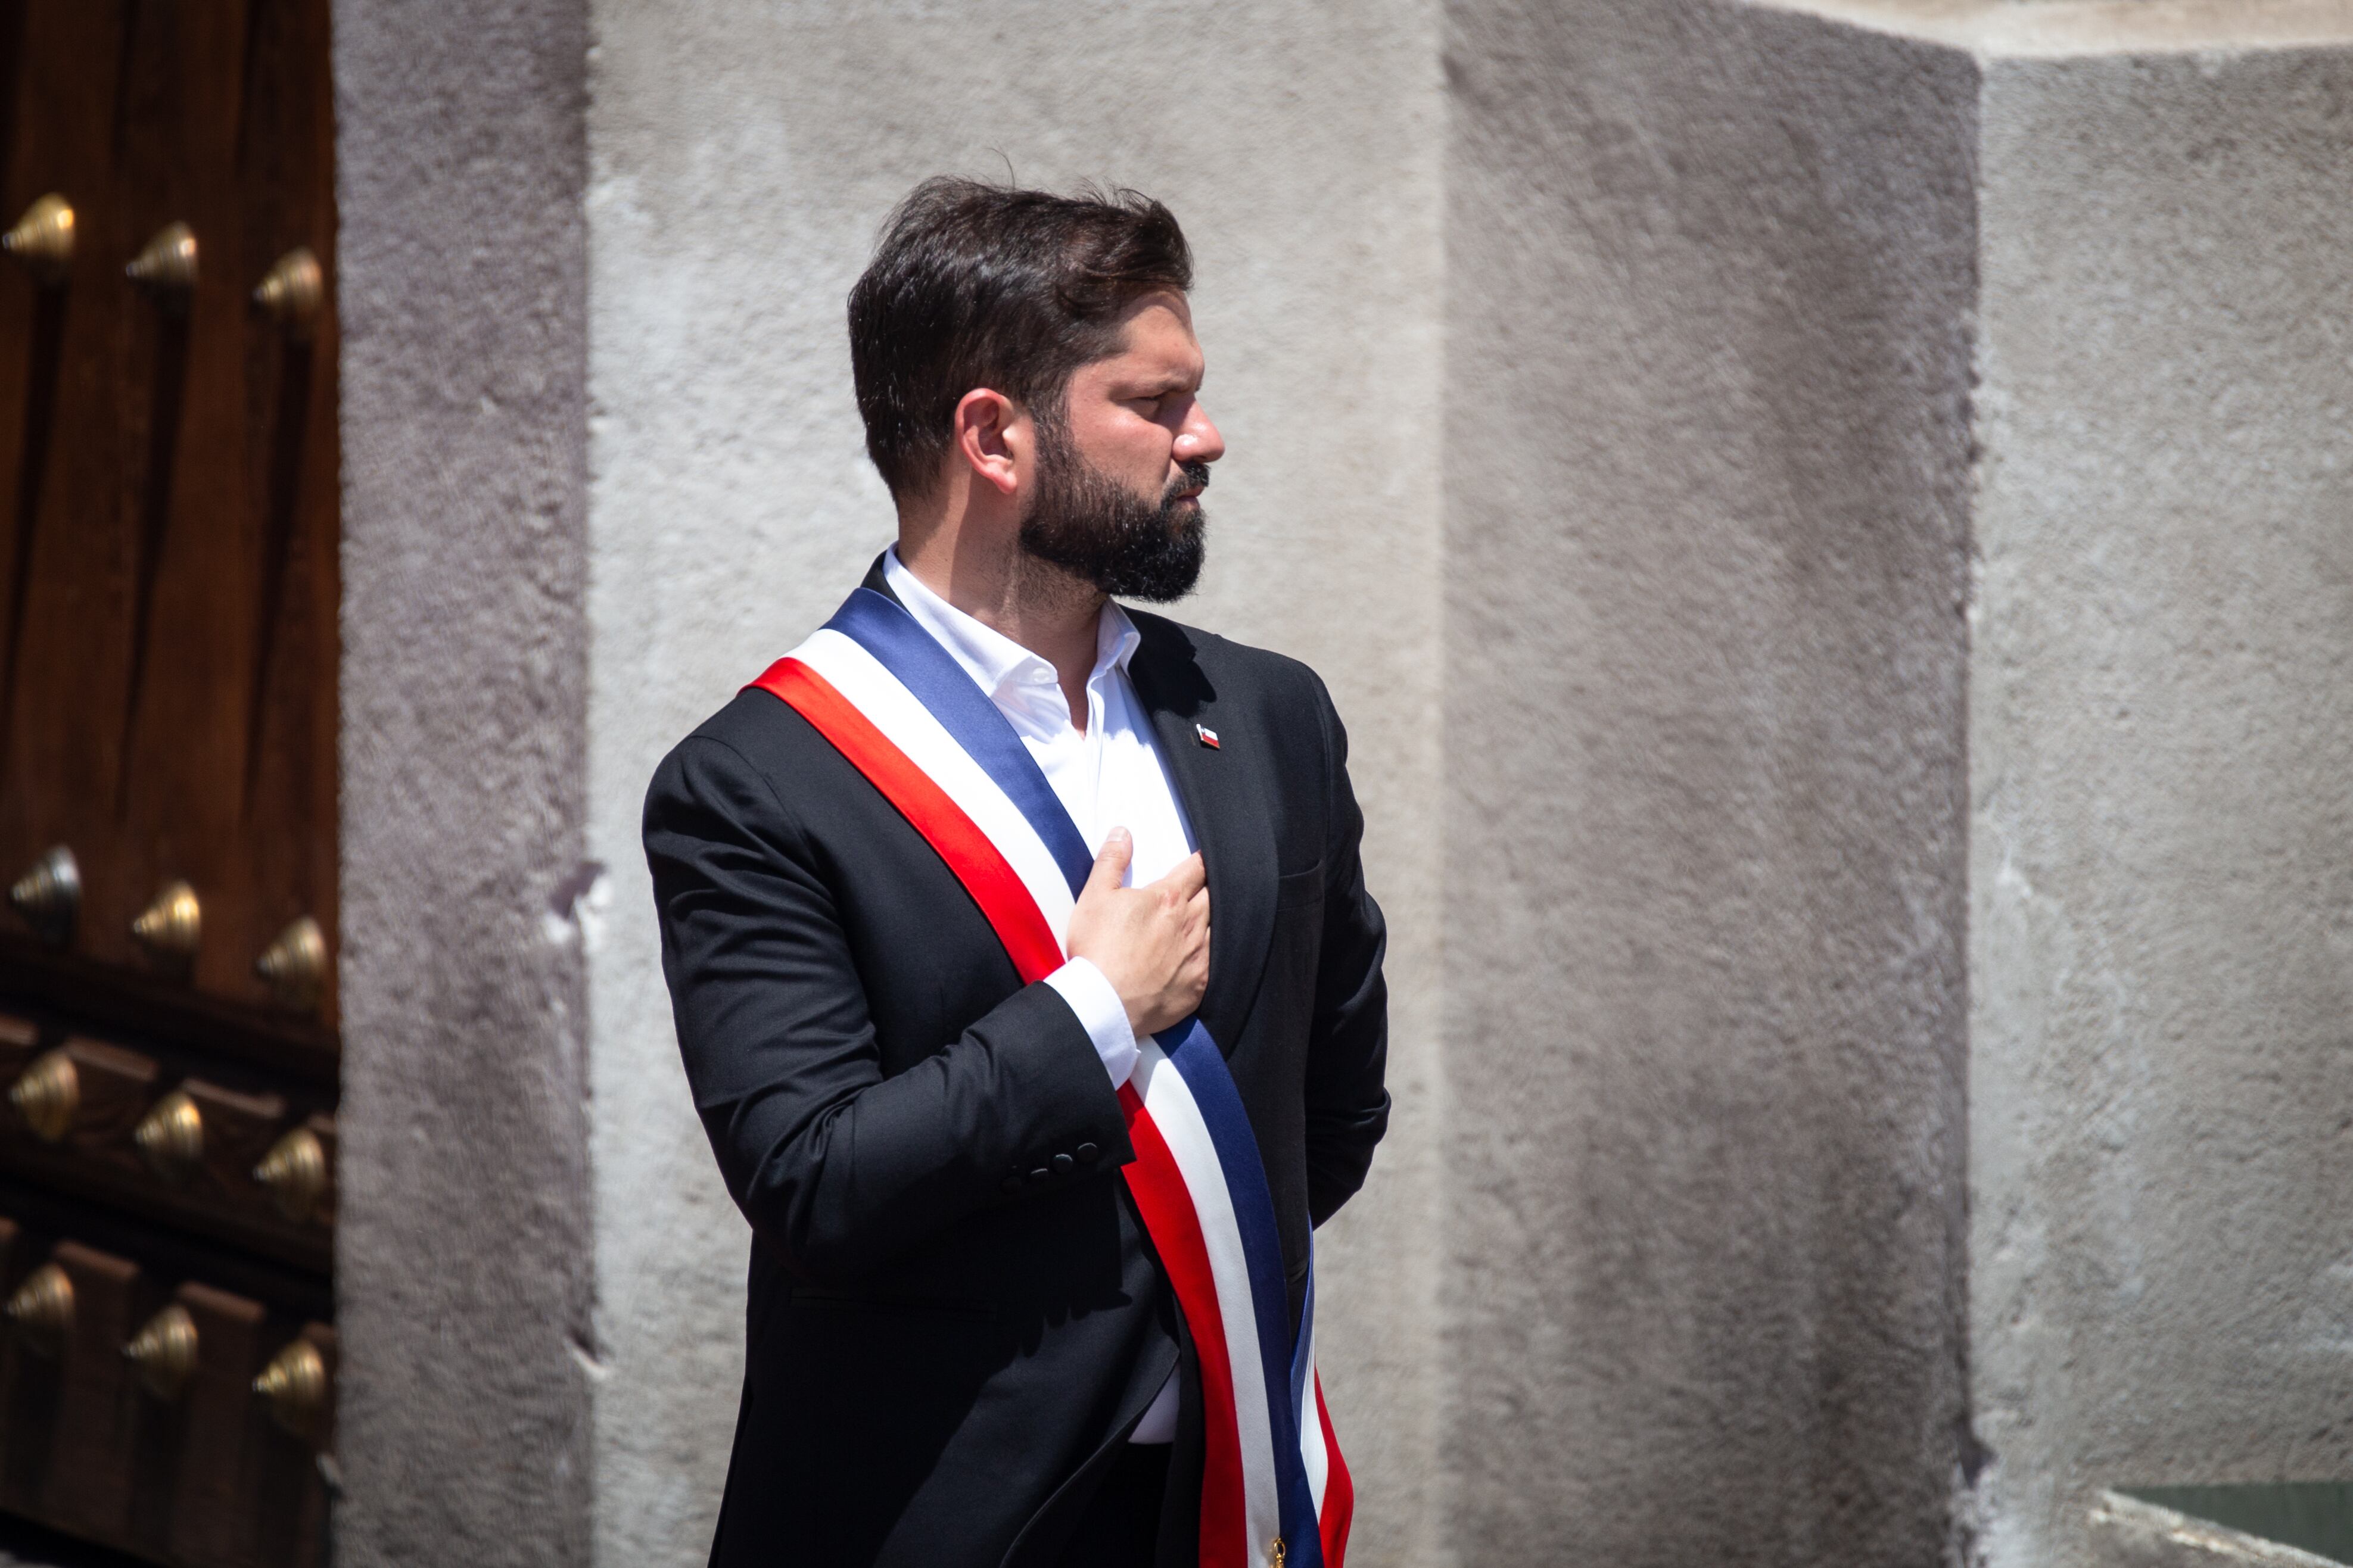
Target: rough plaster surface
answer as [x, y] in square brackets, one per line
[743, 154]
[2162, 835]
[463, 1242]
[1709, 271]
[1660, 486]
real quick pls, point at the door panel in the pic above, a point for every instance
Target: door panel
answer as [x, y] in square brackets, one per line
[168, 600]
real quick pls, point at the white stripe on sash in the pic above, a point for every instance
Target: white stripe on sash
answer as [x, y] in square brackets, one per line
[1168, 1101]
[874, 692]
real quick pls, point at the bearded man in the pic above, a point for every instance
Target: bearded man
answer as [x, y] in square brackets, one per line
[1022, 962]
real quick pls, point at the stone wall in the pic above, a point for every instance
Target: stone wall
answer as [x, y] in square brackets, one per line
[1709, 276]
[1825, 523]
[463, 1263]
[2161, 736]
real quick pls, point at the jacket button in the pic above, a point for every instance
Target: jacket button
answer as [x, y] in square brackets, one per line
[1087, 1152]
[1061, 1164]
[1040, 1173]
[1011, 1183]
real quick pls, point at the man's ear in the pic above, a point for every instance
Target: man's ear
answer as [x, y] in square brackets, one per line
[993, 438]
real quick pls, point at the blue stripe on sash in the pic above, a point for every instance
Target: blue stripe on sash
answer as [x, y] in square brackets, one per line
[900, 643]
[1196, 1058]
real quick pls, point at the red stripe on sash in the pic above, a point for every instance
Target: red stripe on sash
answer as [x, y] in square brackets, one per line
[985, 873]
[1176, 1230]
[1339, 1491]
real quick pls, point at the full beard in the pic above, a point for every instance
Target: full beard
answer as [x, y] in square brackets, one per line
[1091, 527]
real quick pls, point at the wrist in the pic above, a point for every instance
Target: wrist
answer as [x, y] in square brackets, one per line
[1102, 1011]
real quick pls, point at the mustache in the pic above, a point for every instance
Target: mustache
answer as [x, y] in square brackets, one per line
[1195, 477]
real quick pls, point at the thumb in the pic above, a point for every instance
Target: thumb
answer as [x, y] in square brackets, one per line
[1110, 861]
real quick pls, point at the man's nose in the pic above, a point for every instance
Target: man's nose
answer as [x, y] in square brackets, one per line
[1198, 441]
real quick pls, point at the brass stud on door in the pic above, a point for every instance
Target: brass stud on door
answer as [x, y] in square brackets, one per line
[171, 1138]
[43, 240]
[167, 266]
[163, 1353]
[294, 1173]
[295, 964]
[292, 290]
[42, 1311]
[47, 1095]
[295, 1384]
[49, 896]
[171, 927]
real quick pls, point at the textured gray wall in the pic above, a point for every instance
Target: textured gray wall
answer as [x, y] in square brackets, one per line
[1708, 455]
[745, 153]
[1657, 487]
[462, 1250]
[2161, 740]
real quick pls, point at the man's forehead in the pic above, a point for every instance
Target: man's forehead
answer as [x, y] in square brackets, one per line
[1161, 303]
[1158, 334]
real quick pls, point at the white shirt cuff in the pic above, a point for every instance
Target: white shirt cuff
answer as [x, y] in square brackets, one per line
[1101, 1013]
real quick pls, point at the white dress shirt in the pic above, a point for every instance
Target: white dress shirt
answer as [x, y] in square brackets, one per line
[1108, 775]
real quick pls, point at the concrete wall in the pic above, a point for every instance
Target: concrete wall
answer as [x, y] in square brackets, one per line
[463, 1268]
[744, 155]
[1709, 273]
[1598, 379]
[2161, 740]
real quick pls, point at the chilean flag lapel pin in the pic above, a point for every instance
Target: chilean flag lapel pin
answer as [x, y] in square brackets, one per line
[1209, 736]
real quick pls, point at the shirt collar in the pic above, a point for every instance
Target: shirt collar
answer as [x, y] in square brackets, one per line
[999, 665]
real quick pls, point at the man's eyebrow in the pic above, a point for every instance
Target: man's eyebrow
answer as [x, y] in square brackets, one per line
[1161, 386]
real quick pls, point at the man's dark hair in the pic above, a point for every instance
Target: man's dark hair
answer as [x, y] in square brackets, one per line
[980, 285]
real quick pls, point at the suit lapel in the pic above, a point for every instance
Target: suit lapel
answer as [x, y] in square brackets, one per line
[1219, 789]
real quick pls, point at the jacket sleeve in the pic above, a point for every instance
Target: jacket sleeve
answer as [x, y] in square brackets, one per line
[1347, 1052]
[834, 1163]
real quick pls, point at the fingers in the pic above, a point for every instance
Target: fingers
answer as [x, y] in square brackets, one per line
[1189, 876]
[1193, 976]
[1110, 862]
[1193, 969]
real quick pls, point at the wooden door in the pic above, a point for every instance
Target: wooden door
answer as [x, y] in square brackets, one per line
[168, 596]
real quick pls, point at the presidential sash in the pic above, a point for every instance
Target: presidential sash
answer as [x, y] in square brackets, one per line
[1275, 1492]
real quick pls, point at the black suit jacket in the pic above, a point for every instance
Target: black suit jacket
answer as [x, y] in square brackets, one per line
[955, 1313]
